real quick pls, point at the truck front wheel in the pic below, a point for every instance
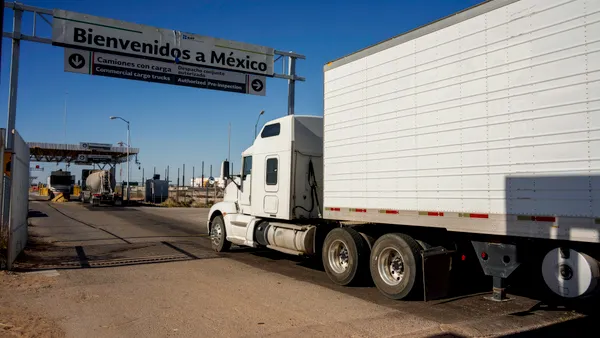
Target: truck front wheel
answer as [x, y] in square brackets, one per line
[396, 266]
[345, 256]
[218, 235]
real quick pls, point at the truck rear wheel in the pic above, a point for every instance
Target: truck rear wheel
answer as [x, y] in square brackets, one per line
[395, 266]
[218, 235]
[345, 256]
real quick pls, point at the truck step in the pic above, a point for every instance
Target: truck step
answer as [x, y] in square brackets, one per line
[289, 226]
[286, 251]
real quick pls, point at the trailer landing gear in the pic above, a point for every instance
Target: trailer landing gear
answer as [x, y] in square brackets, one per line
[498, 260]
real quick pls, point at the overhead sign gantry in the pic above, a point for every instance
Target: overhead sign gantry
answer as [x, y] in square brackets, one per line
[138, 52]
[133, 51]
[84, 153]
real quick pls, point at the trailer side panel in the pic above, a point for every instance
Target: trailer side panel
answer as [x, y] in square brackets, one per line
[494, 113]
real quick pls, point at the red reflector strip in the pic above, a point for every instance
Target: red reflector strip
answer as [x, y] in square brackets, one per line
[389, 212]
[333, 209]
[544, 219]
[430, 213]
[473, 215]
[358, 210]
[551, 219]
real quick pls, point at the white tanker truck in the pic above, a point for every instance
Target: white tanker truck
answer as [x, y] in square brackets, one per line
[99, 187]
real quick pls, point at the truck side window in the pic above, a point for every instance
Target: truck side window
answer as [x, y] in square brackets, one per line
[272, 171]
[271, 130]
[247, 167]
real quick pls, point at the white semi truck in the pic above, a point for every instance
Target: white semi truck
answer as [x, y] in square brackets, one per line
[478, 133]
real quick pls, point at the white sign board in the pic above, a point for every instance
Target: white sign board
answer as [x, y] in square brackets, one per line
[90, 145]
[70, 29]
[98, 157]
[124, 67]
[93, 157]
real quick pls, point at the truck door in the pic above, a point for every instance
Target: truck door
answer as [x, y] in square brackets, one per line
[246, 180]
[271, 201]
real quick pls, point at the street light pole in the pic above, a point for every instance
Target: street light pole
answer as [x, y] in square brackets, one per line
[127, 194]
[128, 145]
[258, 119]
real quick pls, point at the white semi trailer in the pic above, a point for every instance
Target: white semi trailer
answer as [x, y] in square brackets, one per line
[477, 133]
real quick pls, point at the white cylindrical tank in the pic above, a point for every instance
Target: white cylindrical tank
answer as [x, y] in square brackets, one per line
[570, 273]
[94, 181]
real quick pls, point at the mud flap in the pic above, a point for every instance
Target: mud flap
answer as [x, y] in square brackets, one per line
[437, 262]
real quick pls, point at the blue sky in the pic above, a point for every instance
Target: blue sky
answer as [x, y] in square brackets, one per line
[179, 125]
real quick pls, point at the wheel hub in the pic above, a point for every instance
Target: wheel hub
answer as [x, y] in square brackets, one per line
[391, 266]
[216, 233]
[338, 256]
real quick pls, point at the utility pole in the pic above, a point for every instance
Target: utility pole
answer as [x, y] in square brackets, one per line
[65, 126]
[183, 183]
[193, 182]
[177, 184]
[206, 188]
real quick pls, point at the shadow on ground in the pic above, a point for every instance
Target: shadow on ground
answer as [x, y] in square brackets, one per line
[40, 255]
[35, 213]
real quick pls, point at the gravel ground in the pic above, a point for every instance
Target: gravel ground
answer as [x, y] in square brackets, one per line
[149, 272]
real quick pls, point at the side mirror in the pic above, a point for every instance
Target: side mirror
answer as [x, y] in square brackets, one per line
[225, 170]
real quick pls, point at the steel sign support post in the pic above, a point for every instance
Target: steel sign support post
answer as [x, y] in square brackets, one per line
[14, 77]
[292, 86]
[291, 77]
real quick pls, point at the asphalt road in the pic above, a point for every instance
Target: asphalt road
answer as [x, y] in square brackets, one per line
[262, 286]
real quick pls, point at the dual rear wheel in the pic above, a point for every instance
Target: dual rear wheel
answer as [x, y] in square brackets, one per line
[393, 261]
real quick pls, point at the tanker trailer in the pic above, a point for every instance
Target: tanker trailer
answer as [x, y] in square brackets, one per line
[99, 188]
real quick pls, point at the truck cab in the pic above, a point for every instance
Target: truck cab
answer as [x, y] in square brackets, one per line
[281, 179]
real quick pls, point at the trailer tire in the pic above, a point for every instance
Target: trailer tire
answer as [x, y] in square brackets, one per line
[396, 267]
[218, 235]
[345, 256]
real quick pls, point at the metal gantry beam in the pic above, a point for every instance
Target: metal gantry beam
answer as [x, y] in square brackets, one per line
[16, 36]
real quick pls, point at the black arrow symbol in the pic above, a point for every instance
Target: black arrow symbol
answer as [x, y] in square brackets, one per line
[257, 85]
[76, 61]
